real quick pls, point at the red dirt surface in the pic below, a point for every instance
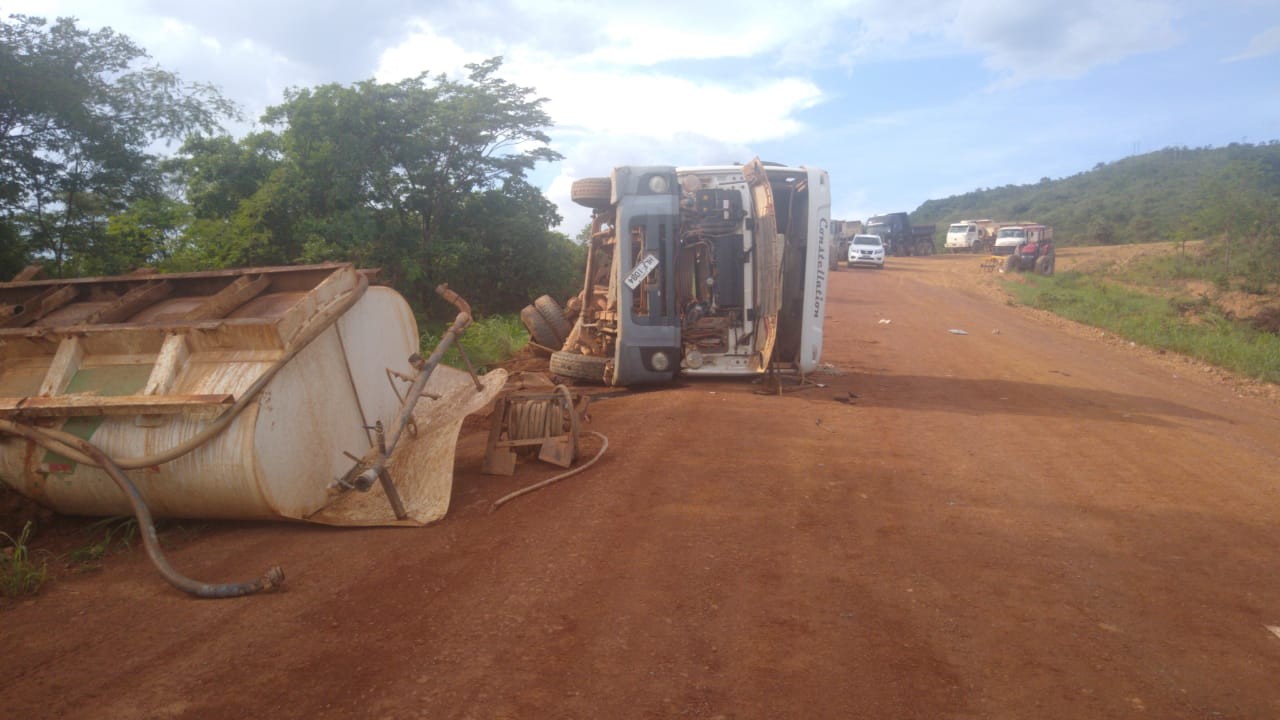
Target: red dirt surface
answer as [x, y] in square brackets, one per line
[1028, 521]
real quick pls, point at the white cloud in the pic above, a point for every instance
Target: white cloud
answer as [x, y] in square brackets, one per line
[1264, 43]
[427, 50]
[1034, 39]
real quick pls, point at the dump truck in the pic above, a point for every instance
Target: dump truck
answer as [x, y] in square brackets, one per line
[842, 233]
[717, 270]
[970, 236]
[291, 393]
[899, 236]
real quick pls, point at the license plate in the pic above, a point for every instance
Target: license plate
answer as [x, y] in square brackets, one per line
[642, 271]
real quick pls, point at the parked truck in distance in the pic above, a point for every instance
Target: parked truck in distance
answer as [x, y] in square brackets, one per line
[842, 233]
[899, 236]
[970, 235]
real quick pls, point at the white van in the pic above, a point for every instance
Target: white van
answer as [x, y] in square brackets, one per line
[701, 270]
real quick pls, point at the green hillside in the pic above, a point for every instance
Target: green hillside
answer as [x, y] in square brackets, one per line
[1171, 194]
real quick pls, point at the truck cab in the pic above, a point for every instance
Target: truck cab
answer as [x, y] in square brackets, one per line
[718, 270]
[967, 235]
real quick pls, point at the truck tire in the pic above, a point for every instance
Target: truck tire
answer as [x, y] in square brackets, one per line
[578, 367]
[1044, 265]
[551, 312]
[1010, 263]
[539, 330]
[595, 193]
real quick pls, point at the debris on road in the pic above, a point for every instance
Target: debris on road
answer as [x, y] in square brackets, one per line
[954, 331]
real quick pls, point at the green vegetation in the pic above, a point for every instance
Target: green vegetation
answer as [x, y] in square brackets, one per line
[1172, 194]
[80, 111]
[19, 573]
[1188, 325]
[488, 341]
[425, 178]
[109, 534]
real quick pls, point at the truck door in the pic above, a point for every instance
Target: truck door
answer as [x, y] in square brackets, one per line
[766, 255]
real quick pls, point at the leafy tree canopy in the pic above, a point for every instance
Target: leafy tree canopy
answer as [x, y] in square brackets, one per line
[79, 110]
[425, 178]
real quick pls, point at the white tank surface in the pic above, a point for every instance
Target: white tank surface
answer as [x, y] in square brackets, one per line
[250, 393]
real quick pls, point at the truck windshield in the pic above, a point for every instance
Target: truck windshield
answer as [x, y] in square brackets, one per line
[878, 229]
[867, 240]
[958, 229]
[1013, 233]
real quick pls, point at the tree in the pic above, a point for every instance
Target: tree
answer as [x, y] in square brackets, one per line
[415, 177]
[79, 111]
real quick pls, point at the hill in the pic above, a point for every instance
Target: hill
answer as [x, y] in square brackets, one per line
[1174, 193]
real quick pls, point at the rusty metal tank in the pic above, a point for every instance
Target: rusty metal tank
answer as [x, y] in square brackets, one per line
[288, 370]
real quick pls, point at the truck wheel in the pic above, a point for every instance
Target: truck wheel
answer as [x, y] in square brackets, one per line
[551, 312]
[579, 367]
[1010, 263]
[595, 193]
[1044, 265]
[539, 329]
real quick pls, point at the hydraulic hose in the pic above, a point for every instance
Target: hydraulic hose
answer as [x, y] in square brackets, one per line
[270, 580]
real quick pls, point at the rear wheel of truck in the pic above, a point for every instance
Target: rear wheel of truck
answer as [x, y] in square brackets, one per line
[594, 193]
[579, 367]
[551, 312]
[539, 330]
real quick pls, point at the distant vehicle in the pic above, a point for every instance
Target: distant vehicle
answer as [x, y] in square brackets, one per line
[1035, 252]
[842, 231]
[866, 250]
[971, 235]
[900, 236]
[1008, 239]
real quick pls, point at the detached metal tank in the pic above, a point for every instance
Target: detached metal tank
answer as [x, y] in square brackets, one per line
[273, 380]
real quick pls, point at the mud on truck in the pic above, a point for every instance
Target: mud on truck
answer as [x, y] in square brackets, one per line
[700, 271]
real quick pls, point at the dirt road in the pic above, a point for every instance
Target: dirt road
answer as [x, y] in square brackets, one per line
[1027, 521]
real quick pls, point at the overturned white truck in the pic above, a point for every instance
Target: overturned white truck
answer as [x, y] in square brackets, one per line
[703, 271]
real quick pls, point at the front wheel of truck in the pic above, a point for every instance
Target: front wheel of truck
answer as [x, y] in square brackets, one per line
[578, 367]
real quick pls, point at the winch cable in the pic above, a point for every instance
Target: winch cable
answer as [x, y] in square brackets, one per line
[270, 580]
[540, 419]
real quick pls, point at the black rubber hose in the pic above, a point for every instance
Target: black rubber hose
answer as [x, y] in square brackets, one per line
[271, 580]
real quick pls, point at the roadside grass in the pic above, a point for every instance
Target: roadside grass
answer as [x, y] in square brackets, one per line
[488, 341]
[110, 534]
[1248, 266]
[20, 574]
[1190, 326]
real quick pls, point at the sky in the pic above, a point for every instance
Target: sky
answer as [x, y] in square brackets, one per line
[902, 101]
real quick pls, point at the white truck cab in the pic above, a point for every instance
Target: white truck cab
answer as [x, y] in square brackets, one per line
[961, 236]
